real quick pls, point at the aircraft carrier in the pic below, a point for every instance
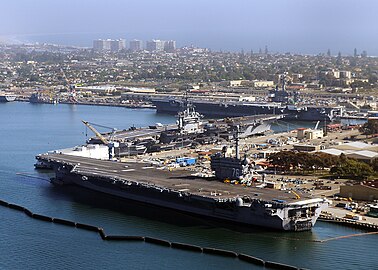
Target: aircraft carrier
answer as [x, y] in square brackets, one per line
[183, 191]
[281, 102]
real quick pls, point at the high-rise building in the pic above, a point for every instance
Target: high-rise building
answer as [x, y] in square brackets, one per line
[117, 45]
[101, 45]
[170, 46]
[155, 45]
[98, 45]
[109, 45]
[135, 45]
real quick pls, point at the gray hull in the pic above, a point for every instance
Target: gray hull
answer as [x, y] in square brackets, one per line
[251, 212]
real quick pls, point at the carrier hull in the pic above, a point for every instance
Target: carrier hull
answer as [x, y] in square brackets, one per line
[199, 197]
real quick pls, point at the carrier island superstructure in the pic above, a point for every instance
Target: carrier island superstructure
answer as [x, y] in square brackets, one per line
[188, 191]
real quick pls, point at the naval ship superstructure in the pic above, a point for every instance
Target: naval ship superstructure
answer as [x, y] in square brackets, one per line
[289, 215]
[190, 128]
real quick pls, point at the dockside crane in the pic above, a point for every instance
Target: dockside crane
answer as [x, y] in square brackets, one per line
[70, 88]
[110, 143]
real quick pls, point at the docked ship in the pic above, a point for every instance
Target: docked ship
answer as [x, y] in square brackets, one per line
[280, 102]
[40, 98]
[7, 97]
[182, 191]
[212, 108]
[190, 129]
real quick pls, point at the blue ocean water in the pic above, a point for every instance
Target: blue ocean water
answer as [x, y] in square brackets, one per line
[29, 129]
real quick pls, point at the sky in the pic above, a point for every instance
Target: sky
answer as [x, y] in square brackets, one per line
[298, 26]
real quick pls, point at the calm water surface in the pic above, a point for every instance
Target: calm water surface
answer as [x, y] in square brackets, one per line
[29, 129]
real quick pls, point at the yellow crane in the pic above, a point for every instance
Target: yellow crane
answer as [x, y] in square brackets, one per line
[296, 195]
[98, 134]
[109, 142]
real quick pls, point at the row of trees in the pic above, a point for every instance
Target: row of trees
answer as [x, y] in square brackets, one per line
[340, 166]
[370, 127]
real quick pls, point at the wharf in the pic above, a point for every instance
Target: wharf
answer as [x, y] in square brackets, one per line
[336, 214]
[178, 180]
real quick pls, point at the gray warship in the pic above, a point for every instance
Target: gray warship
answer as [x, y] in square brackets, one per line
[183, 191]
[190, 129]
[281, 102]
[243, 202]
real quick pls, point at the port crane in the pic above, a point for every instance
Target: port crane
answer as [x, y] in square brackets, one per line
[109, 142]
[71, 88]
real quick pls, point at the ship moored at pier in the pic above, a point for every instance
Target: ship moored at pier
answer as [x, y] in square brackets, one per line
[183, 191]
[7, 97]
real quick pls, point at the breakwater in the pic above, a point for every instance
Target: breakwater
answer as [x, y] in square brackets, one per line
[156, 241]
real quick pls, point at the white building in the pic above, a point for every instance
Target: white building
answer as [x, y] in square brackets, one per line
[262, 84]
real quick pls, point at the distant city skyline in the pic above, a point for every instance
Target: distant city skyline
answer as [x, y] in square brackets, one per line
[297, 26]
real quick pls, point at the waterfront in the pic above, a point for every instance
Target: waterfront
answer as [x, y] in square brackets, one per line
[29, 129]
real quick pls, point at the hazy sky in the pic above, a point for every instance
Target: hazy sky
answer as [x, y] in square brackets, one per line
[307, 26]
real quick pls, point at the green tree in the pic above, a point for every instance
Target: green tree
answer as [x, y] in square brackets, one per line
[374, 165]
[370, 127]
[352, 169]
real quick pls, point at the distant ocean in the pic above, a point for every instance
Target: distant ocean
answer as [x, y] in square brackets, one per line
[213, 41]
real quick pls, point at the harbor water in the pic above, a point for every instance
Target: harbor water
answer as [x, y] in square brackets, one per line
[29, 129]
